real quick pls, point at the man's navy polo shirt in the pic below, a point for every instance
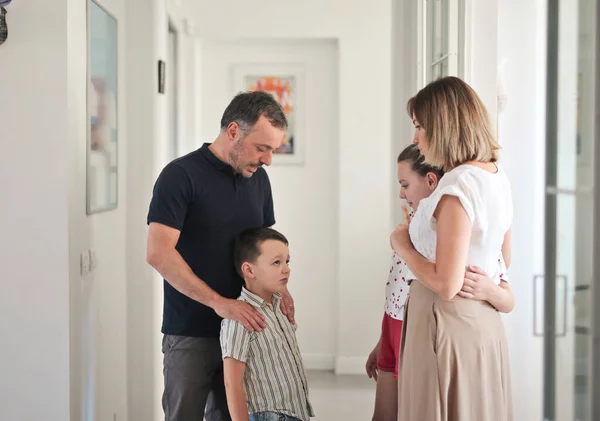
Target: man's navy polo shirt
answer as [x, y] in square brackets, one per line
[200, 196]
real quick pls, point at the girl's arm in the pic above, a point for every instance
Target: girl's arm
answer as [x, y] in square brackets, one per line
[371, 365]
[479, 286]
[506, 249]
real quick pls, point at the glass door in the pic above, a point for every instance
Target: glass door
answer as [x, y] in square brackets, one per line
[571, 353]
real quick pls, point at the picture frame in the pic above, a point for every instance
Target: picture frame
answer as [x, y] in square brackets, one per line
[286, 82]
[102, 169]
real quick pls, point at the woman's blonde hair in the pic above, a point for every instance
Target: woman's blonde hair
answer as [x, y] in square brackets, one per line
[456, 123]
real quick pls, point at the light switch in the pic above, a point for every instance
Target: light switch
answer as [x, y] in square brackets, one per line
[85, 263]
[93, 260]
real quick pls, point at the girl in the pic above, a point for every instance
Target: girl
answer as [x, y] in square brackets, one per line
[418, 180]
[454, 352]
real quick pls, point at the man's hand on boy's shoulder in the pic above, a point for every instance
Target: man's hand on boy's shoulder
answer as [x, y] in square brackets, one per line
[242, 312]
[287, 306]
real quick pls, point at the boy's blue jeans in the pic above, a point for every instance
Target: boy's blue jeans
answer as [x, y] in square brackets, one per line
[271, 416]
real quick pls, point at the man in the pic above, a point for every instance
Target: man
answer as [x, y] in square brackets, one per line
[200, 203]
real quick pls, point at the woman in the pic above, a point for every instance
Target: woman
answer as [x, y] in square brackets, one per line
[454, 355]
[418, 180]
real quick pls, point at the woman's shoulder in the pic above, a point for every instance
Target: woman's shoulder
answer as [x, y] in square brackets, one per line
[458, 175]
[473, 177]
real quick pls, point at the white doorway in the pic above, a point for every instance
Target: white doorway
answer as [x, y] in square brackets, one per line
[171, 91]
[305, 195]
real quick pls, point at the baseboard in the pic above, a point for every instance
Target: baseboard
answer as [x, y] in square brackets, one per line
[318, 361]
[340, 365]
[350, 365]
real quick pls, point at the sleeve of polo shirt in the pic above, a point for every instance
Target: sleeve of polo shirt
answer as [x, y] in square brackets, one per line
[235, 340]
[172, 194]
[268, 211]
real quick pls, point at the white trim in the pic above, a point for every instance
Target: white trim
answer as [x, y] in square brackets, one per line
[428, 24]
[174, 14]
[176, 17]
[422, 68]
[442, 59]
[465, 21]
[350, 365]
[453, 30]
[457, 36]
[174, 21]
[185, 65]
[314, 361]
[180, 85]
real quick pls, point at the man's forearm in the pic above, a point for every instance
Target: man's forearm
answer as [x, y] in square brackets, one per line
[180, 276]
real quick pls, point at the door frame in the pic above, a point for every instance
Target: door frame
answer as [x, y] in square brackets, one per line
[551, 173]
[595, 287]
[550, 252]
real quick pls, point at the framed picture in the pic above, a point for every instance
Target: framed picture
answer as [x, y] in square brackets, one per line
[286, 84]
[102, 102]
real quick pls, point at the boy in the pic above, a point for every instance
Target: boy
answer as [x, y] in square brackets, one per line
[264, 374]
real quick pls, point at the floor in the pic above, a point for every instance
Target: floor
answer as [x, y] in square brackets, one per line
[347, 398]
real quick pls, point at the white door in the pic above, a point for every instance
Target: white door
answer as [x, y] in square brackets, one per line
[571, 276]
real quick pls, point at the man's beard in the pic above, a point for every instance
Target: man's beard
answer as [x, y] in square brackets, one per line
[236, 162]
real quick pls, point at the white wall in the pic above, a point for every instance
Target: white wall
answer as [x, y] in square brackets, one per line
[480, 68]
[568, 238]
[364, 220]
[306, 195]
[108, 239]
[68, 331]
[147, 131]
[483, 52]
[405, 84]
[149, 150]
[34, 171]
[67, 346]
[521, 42]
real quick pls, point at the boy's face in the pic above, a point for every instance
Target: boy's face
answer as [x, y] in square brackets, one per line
[270, 272]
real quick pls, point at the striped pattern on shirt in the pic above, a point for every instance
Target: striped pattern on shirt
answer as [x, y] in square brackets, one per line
[274, 379]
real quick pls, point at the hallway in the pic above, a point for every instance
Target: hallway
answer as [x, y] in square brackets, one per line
[97, 96]
[345, 397]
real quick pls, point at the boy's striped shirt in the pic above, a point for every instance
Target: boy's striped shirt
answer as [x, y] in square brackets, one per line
[274, 379]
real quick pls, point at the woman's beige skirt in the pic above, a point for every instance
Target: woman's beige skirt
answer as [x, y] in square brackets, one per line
[454, 360]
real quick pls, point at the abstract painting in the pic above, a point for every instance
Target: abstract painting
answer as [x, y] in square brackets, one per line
[285, 83]
[102, 98]
[283, 88]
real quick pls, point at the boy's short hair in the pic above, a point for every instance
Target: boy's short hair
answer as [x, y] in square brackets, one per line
[247, 245]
